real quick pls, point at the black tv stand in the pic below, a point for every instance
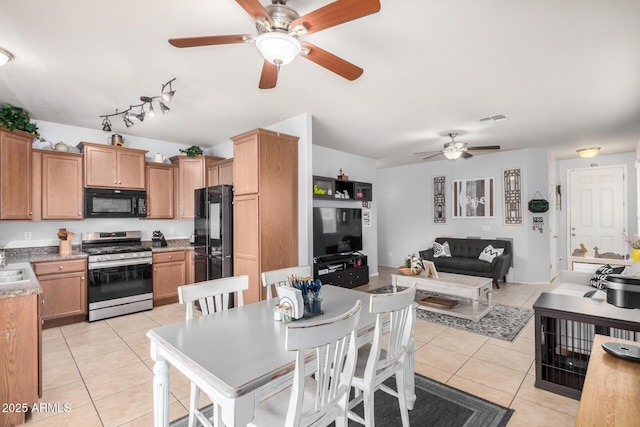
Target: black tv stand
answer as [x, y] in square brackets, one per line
[345, 270]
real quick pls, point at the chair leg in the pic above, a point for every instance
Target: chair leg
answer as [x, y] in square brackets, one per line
[367, 402]
[402, 396]
[193, 404]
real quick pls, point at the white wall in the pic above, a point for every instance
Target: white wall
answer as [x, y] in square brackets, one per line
[600, 160]
[405, 209]
[327, 162]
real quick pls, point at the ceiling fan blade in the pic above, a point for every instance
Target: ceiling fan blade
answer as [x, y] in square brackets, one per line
[422, 153]
[208, 40]
[466, 155]
[269, 76]
[255, 9]
[432, 156]
[336, 13]
[486, 147]
[331, 62]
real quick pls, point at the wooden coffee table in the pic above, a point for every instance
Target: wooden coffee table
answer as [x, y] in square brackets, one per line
[470, 287]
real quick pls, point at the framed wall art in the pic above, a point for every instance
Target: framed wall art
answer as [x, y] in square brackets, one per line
[512, 186]
[474, 198]
[439, 200]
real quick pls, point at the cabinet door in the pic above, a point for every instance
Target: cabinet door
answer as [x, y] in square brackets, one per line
[213, 175]
[130, 169]
[225, 173]
[62, 191]
[245, 170]
[100, 167]
[161, 191]
[63, 295]
[192, 176]
[15, 176]
[167, 277]
[246, 244]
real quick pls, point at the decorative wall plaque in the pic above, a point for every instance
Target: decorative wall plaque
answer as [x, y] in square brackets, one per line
[439, 200]
[474, 198]
[512, 196]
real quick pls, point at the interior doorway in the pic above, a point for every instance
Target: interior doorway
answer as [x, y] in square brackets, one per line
[597, 211]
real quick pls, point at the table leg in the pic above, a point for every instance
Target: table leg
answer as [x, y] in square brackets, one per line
[474, 302]
[394, 282]
[160, 391]
[239, 411]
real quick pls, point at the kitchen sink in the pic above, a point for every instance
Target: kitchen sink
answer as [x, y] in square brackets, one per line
[13, 275]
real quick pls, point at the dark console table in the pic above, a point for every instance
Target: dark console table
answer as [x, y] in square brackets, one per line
[565, 328]
[348, 271]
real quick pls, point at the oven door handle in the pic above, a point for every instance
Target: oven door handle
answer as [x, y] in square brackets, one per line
[118, 263]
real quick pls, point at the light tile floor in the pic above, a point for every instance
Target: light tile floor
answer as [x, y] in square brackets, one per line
[103, 370]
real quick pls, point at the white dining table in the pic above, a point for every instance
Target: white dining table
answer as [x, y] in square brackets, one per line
[238, 356]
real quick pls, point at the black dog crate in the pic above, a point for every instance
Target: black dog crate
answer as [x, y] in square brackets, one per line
[565, 327]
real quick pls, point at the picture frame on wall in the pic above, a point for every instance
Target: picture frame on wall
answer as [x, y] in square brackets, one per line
[439, 200]
[473, 198]
[512, 189]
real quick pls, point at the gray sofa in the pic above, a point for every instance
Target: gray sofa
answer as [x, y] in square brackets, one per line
[464, 258]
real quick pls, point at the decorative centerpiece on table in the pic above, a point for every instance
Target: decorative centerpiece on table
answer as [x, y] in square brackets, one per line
[634, 244]
[412, 265]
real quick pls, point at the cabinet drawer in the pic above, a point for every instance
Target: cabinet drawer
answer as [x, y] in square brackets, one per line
[55, 267]
[160, 257]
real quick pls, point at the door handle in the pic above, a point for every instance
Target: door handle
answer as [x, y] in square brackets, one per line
[573, 234]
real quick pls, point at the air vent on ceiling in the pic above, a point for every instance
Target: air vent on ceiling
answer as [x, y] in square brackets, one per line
[493, 119]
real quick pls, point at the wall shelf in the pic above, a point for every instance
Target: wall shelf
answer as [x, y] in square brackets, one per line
[325, 188]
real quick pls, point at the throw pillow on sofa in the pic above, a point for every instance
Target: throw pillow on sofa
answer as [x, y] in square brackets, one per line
[489, 253]
[597, 281]
[441, 249]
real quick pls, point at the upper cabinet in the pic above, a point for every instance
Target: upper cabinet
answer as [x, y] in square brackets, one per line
[113, 167]
[192, 174]
[15, 174]
[162, 182]
[220, 173]
[338, 189]
[57, 185]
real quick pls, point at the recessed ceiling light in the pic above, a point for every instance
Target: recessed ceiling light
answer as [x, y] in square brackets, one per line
[5, 56]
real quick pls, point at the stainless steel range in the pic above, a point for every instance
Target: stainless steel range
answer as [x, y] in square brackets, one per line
[120, 274]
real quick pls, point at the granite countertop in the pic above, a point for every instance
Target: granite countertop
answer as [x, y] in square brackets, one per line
[172, 245]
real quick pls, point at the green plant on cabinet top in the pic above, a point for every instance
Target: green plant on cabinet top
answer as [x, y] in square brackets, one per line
[16, 118]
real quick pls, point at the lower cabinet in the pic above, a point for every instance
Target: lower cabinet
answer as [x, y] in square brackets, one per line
[64, 291]
[169, 272]
[19, 357]
[347, 271]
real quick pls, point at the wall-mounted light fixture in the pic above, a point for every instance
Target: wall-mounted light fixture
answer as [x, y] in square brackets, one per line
[587, 153]
[138, 110]
[5, 56]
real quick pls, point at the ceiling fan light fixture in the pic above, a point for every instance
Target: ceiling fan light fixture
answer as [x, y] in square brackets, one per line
[452, 154]
[5, 56]
[278, 48]
[587, 153]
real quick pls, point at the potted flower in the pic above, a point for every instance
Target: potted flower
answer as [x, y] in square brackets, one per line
[412, 265]
[192, 151]
[634, 244]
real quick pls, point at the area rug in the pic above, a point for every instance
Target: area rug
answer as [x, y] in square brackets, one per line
[503, 322]
[437, 405]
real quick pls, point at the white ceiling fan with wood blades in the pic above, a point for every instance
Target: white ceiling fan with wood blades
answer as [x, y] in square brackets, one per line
[453, 150]
[280, 29]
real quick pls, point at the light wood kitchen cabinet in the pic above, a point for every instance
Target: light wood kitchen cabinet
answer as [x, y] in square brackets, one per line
[110, 166]
[162, 187]
[192, 174]
[19, 357]
[220, 173]
[191, 266]
[57, 185]
[15, 174]
[265, 181]
[169, 272]
[64, 291]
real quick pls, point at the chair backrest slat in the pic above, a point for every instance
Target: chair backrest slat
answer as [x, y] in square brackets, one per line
[275, 278]
[213, 295]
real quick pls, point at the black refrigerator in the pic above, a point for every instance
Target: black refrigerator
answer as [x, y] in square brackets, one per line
[213, 229]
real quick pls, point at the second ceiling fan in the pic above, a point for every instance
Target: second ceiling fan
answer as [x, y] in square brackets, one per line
[279, 29]
[453, 150]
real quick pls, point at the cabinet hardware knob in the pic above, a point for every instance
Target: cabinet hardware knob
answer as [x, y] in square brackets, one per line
[82, 278]
[61, 267]
[155, 269]
[115, 182]
[41, 322]
[42, 301]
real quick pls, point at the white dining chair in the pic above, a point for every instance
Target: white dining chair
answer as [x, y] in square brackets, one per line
[212, 296]
[280, 277]
[376, 364]
[323, 398]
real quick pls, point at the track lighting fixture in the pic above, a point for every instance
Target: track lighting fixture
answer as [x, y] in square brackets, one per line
[138, 111]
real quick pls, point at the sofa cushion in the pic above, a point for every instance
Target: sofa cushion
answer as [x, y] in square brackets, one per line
[632, 270]
[466, 264]
[597, 281]
[489, 253]
[441, 250]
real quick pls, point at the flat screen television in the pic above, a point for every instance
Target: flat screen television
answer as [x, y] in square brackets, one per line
[336, 230]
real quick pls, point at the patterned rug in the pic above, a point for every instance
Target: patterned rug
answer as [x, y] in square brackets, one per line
[503, 322]
[437, 405]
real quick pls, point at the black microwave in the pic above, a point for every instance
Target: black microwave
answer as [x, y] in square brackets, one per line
[113, 203]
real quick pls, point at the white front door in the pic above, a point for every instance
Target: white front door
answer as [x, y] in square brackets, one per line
[553, 230]
[597, 211]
